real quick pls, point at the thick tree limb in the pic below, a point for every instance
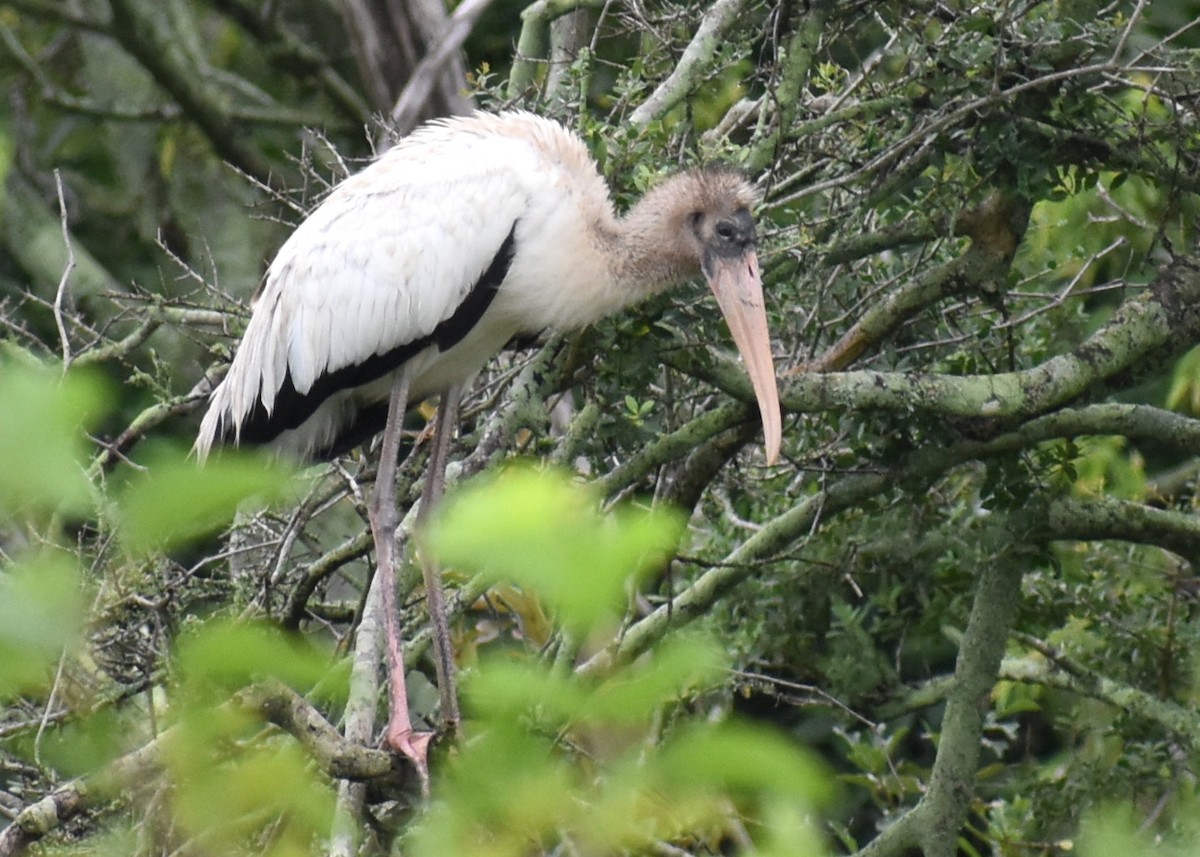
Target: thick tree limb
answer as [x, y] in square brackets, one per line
[1064, 674]
[38, 819]
[533, 43]
[934, 823]
[918, 470]
[951, 785]
[362, 705]
[1155, 326]
[336, 756]
[1108, 518]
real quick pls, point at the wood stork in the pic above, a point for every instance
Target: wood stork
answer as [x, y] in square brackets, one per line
[412, 273]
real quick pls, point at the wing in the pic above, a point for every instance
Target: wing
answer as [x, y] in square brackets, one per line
[401, 256]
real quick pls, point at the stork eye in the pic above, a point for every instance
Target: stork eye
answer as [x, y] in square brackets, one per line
[725, 229]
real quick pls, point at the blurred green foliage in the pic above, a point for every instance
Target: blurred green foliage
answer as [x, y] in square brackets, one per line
[604, 764]
[42, 438]
[224, 795]
[173, 501]
[235, 785]
[544, 532]
[41, 619]
[610, 763]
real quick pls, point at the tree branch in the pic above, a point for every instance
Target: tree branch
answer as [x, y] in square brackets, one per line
[1062, 673]
[338, 757]
[533, 43]
[359, 717]
[672, 446]
[1108, 518]
[406, 111]
[273, 701]
[917, 471]
[298, 58]
[694, 64]
[140, 28]
[943, 808]
[1155, 326]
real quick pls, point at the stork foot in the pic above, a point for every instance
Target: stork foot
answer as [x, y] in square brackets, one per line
[401, 738]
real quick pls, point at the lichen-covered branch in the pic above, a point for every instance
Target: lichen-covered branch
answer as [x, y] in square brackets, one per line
[673, 445]
[934, 823]
[952, 783]
[695, 601]
[694, 65]
[1154, 326]
[533, 43]
[337, 757]
[995, 228]
[1063, 674]
[795, 61]
[1100, 518]
[271, 700]
[1056, 521]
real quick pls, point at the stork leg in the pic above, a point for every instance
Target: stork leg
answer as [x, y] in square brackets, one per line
[435, 483]
[385, 518]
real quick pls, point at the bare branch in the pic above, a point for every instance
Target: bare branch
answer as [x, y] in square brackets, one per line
[408, 107]
[61, 292]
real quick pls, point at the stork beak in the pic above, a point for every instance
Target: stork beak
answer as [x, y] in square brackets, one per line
[736, 282]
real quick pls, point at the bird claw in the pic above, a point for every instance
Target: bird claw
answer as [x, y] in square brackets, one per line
[413, 746]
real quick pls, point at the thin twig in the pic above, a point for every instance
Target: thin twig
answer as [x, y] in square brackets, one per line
[61, 293]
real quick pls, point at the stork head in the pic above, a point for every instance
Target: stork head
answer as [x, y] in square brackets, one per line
[719, 231]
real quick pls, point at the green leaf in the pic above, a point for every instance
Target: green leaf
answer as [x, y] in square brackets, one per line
[232, 655]
[175, 501]
[675, 667]
[506, 790]
[504, 688]
[42, 439]
[788, 830]
[226, 800]
[743, 759]
[543, 530]
[41, 614]
[79, 747]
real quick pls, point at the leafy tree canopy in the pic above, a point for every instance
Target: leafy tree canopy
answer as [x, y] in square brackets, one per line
[958, 616]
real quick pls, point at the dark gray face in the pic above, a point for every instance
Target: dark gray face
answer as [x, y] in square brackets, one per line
[725, 237]
[730, 264]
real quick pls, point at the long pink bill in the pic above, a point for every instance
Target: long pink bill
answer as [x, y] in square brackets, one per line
[738, 286]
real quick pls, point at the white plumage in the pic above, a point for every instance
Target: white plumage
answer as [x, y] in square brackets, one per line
[381, 269]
